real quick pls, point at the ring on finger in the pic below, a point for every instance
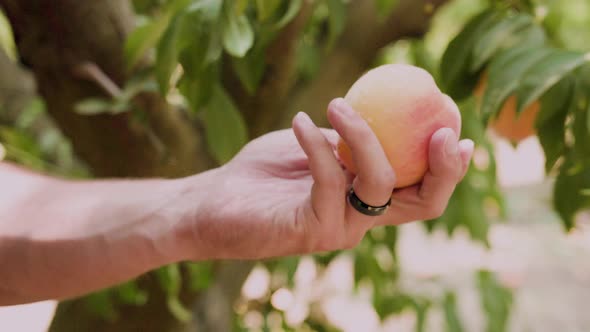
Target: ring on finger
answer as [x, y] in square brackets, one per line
[365, 208]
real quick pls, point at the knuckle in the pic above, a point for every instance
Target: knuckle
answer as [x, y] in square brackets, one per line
[385, 179]
[336, 180]
[388, 177]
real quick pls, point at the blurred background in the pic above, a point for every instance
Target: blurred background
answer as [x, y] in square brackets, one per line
[511, 253]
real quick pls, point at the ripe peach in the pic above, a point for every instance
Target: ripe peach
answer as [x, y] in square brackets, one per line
[404, 107]
[508, 124]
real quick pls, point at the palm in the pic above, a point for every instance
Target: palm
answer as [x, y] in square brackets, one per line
[270, 183]
[275, 170]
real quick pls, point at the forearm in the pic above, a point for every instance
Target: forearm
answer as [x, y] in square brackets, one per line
[60, 239]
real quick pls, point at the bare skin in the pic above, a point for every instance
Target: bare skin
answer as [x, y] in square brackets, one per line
[283, 194]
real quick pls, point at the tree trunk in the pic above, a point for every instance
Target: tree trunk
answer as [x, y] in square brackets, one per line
[56, 39]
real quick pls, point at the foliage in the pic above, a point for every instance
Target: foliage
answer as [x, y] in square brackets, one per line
[536, 50]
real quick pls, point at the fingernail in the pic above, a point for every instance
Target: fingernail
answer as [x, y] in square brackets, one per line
[451, 146]
[302, 116]
[469, 144]
[343, 108]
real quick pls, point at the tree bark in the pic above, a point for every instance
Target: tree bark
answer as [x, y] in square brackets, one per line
[54, 39]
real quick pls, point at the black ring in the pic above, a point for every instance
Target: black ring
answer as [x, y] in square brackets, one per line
[365, 208]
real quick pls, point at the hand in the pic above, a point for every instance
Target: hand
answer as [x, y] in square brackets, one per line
[285, 192]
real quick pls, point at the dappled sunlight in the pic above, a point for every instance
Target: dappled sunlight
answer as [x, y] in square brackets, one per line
[350, 315]
[257, 284]
[33, 317]
[519, 166]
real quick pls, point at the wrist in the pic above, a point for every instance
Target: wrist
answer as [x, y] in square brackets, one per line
[192, 215]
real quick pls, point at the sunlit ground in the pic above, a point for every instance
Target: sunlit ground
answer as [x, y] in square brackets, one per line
[548, 270]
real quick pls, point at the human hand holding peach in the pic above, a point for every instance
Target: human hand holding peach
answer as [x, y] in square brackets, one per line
[286, 192]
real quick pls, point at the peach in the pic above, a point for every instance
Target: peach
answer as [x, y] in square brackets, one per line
[404, 108]
[507, 124]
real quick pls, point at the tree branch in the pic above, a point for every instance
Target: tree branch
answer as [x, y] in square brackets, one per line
[91, 72]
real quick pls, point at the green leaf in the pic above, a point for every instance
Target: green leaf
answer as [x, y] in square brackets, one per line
[93, 106]
[129, 293]
[240, 7]
[198, 89]
[167, 54]
[456, 78]
[215, 47]
[568, 192]
[144, 38]
[266, 8]
[22, 147]
[209, 9]
[170, 279]
[101, 304]
[550, 122]
[175, 6]
[579, 110]
[178, 310]
[547, 72]
[385, 7]
[250, 69]
[200, 274]
[495, 37]
[202, 26]
[466, 208]
[423, 58]
[496, 301]
[388, 305]
[171, 282]
[531, 35]
[336, 20]
[293, 8]
[505, 73]
[191, 28]
[135, 87]
[323, 259]
[309, 57]
[453, 323]
[224, 125]
[193, 57]
[288, 266]
[421, 308]
[238, 36]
